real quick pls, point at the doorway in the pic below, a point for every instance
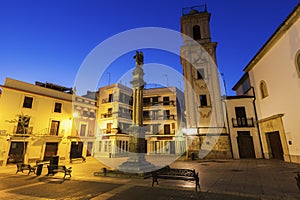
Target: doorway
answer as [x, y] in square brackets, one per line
[275, 145]
[17, 152]
[245, 144]
[76, 150]
[50, 150]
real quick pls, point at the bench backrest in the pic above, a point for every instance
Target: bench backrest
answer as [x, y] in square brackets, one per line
[23, 166]
[179, 172]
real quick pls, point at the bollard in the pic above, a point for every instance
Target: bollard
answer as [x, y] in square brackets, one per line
[298, 181]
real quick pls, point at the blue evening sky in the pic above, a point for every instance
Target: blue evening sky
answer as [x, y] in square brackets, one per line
[47, 40]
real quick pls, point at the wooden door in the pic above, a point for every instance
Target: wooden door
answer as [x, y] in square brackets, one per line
[275, 145]
[245, 144]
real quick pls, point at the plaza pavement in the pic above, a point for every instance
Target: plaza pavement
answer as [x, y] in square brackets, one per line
[242, 179]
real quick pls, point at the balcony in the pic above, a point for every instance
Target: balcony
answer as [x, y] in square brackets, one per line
[165, 103]
[22, 131]
[163, 133]
[125, 115]
[107, 100]
[160, 117]
[110, 131]
[52, 132]
[106, 115]
[242, 122]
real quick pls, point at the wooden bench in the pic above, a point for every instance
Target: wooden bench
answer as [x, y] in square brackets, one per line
[77, 159]
[176, 174]
[53, 169]
[21, 167]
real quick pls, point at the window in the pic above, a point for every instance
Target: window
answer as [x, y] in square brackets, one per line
[57, 107]
[54, 129]
[240, 113]
[100, 146]
[155, 114]
[146, 114]
[167, 129]
[23, 123]
[166, 101]
[297, 63]
[146, 101]
[155, 99]
[196, 32]
[27, 102]
[203, 100]
[92, 115]
[263, 89]
[147, 127]
[166, 114]
[85, 113]
[110, 98]
[82, 129]
[200, 74]
[108, 127]
[155, 129]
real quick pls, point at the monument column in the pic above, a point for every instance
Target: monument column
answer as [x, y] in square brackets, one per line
[136, 162]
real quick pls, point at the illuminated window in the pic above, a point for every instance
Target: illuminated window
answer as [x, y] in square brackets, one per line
[297, 63]
[263, 89]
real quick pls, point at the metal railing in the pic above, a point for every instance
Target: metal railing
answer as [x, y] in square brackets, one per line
[165, 103]
[160, 117]
[51, 131]
[106, 115]
[242, 122]
[22, 130]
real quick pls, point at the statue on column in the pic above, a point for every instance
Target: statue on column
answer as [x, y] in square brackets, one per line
[139, 58]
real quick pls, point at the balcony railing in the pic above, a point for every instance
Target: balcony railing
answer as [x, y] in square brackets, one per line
[242, 122]
[111, 131]
[171, 132]
[24, 131]
[160, 117]
[125, 115]
[107, 100]
[51, 131]
[106, 115]
[165, 103]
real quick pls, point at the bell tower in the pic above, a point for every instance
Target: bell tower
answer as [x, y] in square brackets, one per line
[204, 112]
[195, 24]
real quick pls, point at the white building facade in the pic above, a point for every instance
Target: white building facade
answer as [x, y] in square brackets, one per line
[274, 74]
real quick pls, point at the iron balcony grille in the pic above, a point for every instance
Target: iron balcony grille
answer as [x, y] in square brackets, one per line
[242, 122]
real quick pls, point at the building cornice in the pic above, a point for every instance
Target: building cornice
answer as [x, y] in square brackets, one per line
[270, 118]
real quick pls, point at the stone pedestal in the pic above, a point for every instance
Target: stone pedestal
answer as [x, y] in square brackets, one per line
[136, 162]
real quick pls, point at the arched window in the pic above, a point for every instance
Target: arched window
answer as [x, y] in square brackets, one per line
[297, 63]
[263, 89]
[196, 32]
